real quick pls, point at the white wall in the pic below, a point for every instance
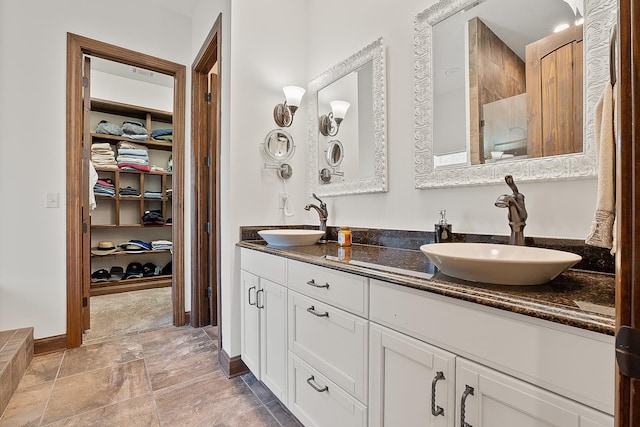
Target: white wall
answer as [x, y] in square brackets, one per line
[263, 50]
[338, 29]
[129, 91]
[33, 35]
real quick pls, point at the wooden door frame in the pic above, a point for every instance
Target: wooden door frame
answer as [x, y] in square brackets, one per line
[205, 177]
[627, 403]
[77, 46]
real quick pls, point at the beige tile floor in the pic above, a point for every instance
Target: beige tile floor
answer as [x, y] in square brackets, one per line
[166, 377]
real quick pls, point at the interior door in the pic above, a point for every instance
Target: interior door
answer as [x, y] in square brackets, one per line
[213, 176]
[86, 219]
[554, 94]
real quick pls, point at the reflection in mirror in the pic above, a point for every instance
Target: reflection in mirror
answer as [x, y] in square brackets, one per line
[492, 61]
[359, 82]
[457, 140]
[335, 153]
[278, 145]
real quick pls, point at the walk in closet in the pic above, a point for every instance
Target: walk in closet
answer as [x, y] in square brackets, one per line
[131, 147]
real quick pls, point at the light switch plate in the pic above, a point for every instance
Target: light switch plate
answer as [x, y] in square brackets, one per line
[53, 200]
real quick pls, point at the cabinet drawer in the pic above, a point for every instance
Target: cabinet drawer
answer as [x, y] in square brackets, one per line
[344, 290]
[264, 265]
[331, 340]
[572, 362]
[317, 401]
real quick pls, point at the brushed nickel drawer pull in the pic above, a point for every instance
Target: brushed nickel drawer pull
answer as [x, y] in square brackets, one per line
[315, 387]
[313, 311]
[312, 282]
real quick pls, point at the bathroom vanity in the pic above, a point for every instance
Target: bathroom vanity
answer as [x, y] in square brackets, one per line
[381, 338]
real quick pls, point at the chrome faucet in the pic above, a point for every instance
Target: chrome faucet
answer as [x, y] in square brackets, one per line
[322, 213]
[517, 212]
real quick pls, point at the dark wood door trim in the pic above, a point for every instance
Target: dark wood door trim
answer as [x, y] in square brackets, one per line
[77, 46]
[627, 406]
[205, 175]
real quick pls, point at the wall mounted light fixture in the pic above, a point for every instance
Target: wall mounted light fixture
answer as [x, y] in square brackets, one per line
[283, 113]
[330, 124]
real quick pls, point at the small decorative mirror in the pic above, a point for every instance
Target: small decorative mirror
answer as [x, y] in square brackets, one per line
[335, 153]
[278, 146]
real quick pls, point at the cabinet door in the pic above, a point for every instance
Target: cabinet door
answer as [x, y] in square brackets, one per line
[250, 325]
[492, 399]
[272, 304]
[410, 381]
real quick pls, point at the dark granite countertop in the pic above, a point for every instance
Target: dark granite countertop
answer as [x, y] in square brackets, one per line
[582, 299]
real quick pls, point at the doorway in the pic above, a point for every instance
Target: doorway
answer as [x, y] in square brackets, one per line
[78, 242]
[205, 249]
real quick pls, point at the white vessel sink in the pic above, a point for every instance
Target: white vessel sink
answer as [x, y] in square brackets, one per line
[499, 264]
[290, 237]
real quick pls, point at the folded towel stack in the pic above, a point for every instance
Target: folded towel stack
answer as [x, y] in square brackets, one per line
[133, 157]
[102, 155]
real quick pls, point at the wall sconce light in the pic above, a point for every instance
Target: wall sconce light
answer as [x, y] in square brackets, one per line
[330, 124]
[283, 113]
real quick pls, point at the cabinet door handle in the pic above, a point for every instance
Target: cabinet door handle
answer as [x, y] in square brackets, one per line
[313, 283]
[249, 296]
[315, 387]
[258, 299]
[313, 311]
[463, 402]
[436, 410]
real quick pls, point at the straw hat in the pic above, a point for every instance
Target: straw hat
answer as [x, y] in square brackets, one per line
[104, 247]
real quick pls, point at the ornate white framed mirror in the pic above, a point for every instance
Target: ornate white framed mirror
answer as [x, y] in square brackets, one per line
[472, 157]
[359, 80]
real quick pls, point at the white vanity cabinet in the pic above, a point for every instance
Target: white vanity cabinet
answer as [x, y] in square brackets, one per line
[328, 346]
[339, 349]
[492, 399]
[523, 373]
[412, 383]
[264, 320]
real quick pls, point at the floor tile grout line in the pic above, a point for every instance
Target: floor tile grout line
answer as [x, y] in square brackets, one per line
[53, 386]
[273, 415]
[263, 404]
[100, 368]
[152, 391]
[99, 407]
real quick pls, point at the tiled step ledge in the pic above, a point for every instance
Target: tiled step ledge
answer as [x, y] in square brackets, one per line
[16, 352]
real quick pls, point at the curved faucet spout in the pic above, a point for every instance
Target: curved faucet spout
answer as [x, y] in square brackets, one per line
[323, 213]
[517, 212]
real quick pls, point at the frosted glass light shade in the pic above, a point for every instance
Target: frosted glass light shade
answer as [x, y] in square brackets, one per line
[339, 109]
[293, 95]
[576, 6]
